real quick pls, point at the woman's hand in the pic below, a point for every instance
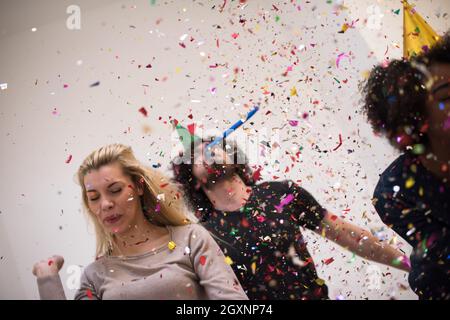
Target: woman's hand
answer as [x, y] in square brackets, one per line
[48, 267]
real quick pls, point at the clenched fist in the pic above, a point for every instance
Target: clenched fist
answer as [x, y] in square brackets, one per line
[48, 267]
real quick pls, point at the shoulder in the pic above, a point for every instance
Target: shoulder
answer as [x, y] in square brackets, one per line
[189, 232]
[394, 175]
[96, 270]
[274, 186]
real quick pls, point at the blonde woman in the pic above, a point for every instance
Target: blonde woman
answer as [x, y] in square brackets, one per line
[146, 247]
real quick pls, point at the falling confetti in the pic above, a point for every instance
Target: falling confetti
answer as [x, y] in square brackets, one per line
[69, 158]
[143, 111]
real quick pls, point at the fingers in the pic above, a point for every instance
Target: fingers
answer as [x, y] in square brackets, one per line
[55, 261]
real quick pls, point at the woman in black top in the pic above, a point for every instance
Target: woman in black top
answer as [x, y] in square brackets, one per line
[258, 226]
[408, 102]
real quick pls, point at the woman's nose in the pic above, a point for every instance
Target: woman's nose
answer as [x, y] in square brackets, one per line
[107, 204]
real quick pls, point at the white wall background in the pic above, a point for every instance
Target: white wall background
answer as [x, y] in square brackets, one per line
[49, 111]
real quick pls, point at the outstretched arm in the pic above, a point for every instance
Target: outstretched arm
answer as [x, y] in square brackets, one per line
[50, 285]
[361, 242]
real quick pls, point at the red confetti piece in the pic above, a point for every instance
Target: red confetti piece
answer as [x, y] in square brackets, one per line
[223, 6]
[89, 293]
[66, 85]
[328, 261]
[244, 223]
[235, 35]
[257, 174]
[50, 262]
[202, 260]
[164, 185]
[293, 123]
[190, 116]
[148, 66]
[340, 143]
[191, 128]
[69, 158]
[182, 45]
[333, 217]
[143, 111]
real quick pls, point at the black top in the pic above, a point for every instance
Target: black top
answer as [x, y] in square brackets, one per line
[264, 241]
[416, 204]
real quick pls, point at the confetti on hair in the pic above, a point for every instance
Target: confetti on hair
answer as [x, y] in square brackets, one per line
[202, 260]
[69, 158]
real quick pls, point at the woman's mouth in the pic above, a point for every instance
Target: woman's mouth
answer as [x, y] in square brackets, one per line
[112, 219]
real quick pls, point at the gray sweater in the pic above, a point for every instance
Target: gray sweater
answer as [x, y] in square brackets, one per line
[195, 269]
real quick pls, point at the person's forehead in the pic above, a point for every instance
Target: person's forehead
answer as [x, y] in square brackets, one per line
[104, 175]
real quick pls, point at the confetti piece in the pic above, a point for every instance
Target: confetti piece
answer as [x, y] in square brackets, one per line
[202, 260]
[223, 6]
[187, 250]
[418, 149]
[294, 92]
[50, 262]
[95, 84]
[33, 29]
[284, 202]
[3, 86]
[235, 35]
[228, 260]
[253, 267]
[396, 11]
[143, 111]
[293, 123]
[171, 245]
[352, 259]
[339, 58]
[69, 158]
[409, 183]
[320, 282]
[257, 174]
[328, 261]
[89, 293]
[344, 28]
[340, 143]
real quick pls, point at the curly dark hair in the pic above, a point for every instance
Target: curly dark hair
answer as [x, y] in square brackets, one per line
[183, 176]
[394, 96]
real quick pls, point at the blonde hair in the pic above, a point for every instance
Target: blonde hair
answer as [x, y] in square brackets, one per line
[171, 212]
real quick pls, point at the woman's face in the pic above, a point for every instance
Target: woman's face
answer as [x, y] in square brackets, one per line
[113, 198]
[210, 168]
[438, 106]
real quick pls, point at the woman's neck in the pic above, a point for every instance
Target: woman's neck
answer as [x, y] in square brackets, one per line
[140, 238]
[438, 163]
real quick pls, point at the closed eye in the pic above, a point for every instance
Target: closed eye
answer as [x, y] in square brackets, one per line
[112, 191]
